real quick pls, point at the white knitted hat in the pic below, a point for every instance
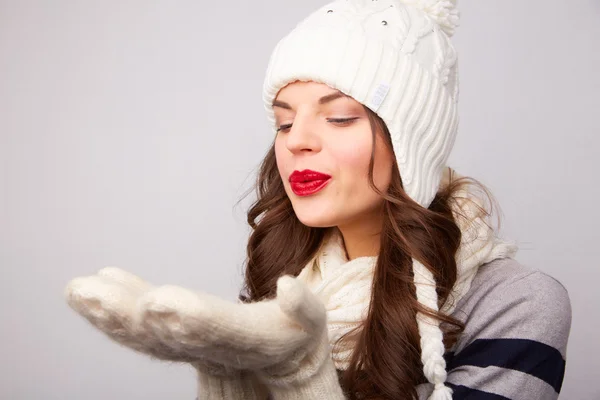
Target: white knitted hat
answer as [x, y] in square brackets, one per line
[396, 58]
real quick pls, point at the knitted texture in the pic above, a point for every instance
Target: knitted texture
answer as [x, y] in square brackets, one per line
[109, 300]
[241, 386]
[393, 58]
[444, 12]
[283, 340]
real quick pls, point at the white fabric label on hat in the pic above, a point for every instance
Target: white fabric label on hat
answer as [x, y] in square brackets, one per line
[379, 95]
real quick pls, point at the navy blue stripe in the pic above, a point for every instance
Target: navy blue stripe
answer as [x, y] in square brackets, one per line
[466, 393]
[528, 356]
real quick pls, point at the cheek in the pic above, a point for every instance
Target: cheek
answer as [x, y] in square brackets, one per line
[353, 155]
[352, 160]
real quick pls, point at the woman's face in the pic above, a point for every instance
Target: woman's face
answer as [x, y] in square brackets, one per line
[323, 130]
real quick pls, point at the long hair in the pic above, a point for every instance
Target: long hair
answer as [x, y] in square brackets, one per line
[386, 360]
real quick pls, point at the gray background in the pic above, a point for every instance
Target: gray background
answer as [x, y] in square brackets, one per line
[129, 129]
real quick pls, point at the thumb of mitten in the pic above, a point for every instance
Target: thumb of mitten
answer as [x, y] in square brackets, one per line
[303, 307]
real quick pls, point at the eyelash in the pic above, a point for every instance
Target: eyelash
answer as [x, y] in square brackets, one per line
[345, 121]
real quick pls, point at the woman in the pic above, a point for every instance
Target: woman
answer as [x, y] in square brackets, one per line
[373, 271]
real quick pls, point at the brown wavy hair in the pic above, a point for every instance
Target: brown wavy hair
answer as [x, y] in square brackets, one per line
[386, 361]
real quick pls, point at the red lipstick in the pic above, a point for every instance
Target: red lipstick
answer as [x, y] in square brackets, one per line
[307, 182]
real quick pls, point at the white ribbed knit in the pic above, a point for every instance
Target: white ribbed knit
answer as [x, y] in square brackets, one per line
[390, 57]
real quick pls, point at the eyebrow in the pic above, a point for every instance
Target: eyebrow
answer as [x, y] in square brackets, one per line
[322, 100]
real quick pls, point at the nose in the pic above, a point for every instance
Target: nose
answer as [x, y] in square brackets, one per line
[303, 135]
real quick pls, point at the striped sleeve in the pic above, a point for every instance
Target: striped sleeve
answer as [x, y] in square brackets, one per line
[517, 323]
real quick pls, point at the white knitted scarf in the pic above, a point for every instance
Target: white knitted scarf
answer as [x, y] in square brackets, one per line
[344, 286]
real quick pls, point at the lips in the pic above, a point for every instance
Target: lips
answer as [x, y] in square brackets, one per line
[307, 175]
[307, 182]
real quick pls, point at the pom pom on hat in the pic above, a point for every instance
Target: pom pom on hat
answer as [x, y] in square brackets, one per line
[443, 12]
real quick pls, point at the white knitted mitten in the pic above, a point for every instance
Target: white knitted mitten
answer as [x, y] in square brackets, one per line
[108, 300]
[283, 340]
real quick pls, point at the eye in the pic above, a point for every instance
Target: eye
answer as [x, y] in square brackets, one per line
[339, 121]
[342, 121]
[284, 127]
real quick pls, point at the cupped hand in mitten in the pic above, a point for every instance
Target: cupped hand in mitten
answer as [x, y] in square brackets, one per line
[283, 340]
[173, 323]
[108, 301]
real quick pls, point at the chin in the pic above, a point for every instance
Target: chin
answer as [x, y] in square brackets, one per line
[314, 220]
